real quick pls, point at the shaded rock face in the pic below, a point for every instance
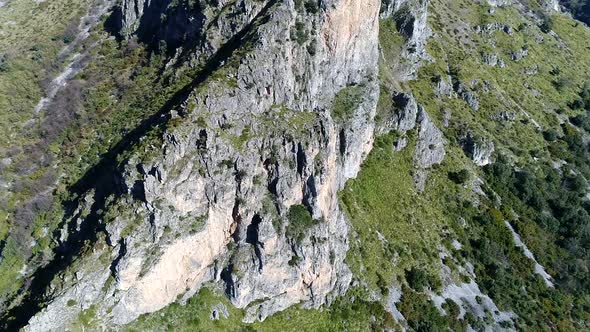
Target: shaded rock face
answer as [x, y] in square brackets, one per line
[411, 18]
[198, 28]
[478, 149]
[468, 96]
[160, 21]
[401, 117]
[211, 204]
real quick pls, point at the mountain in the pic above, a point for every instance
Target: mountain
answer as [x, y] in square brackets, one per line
[357, 165]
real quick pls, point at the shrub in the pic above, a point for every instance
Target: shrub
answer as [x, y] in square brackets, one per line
[546, 24]
[294, 261]
[550, 135]
[582, 121]
[300, 221]
[3, 63]
[300, 35]
[346, 101]
[70, 32]
[583, 101]
[459, 177]
[312, 7]
[562, 83]
[417, 279]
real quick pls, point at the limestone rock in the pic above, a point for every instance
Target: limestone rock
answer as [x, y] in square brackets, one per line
[469, 96]
[402, 116]
[478, 149]
[411, 17]
[430, 148]
[211, 205]
[492, 59]
[219, 311]
[504, 115]
[443, 87]
[519, 54]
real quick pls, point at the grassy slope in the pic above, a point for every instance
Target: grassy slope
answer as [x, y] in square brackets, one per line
[32, 34]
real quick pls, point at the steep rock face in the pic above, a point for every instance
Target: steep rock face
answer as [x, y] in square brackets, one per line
[254, 140]
[198, 28]
[401, 117]
[478, 149]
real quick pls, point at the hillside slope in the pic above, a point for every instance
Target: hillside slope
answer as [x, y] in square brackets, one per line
[335, 165]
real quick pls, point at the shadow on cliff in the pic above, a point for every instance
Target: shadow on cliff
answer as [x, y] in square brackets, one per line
[101, 178]
[163, 27]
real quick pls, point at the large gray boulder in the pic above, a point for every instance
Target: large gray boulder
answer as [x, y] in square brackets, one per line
[429, 150]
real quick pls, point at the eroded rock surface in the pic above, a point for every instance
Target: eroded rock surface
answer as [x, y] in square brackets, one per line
[478, 149]
[213, 204]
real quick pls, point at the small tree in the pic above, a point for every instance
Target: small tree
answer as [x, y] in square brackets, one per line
[546, 24]
[3, 63]
[459, 177]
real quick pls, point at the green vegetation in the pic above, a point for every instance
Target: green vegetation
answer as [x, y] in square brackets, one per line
[346, 102]
[544, 204]
[284, 121]
[459, 177]
[421, 315]
[33, 35]
[343, 314]
[300, 221]
[382, 201]
[580, 9]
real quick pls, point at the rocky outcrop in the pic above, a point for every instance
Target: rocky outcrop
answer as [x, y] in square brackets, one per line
[504, 115]
[212, 202]
[492, 59]
[519, 54]
[551, 5]
[430, 148]
[478, 149]
[467, 95]
[411, 19]
[443, 86]
[493, 27]
[402, 115]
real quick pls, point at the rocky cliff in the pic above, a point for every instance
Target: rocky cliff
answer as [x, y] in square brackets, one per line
[279, 124]
[248, 179]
